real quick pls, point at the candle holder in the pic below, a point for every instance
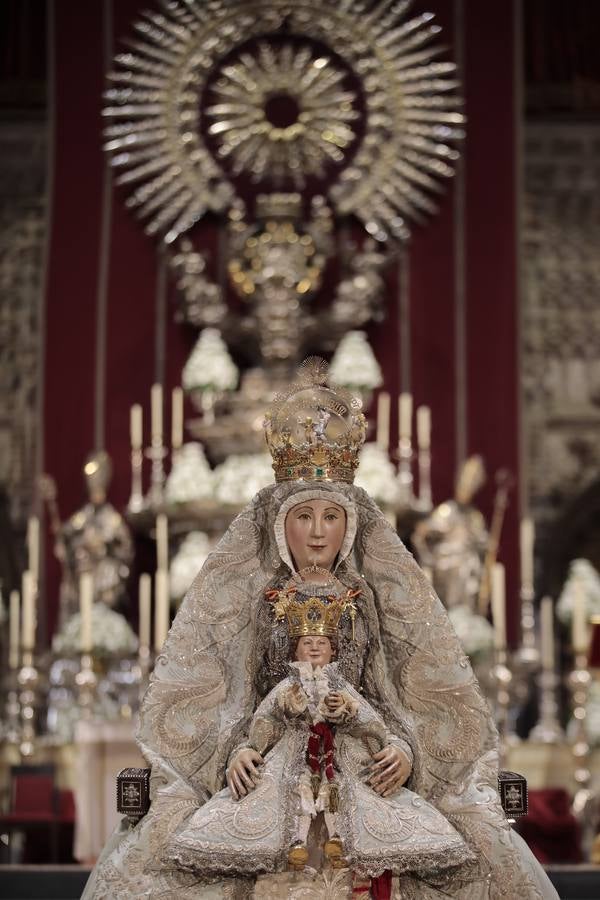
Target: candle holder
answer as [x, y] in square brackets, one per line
[29, 683]
[405, 477]
[156, 453]
[528, 654]
[503, 678]
[424, 462]
[136, 499]
[87, 684]
[12, 709]
[579, 683]
[548, 729]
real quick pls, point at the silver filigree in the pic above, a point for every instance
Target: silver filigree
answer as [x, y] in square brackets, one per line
[409, 112]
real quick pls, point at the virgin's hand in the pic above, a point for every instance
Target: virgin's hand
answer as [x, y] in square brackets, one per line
[243, 773]
[389, 771]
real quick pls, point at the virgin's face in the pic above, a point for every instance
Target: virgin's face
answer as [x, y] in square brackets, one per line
[314, 531]
[315, 649]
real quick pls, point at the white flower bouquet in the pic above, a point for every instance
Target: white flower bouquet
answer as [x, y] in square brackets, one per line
[377, 475]
[187, 562]
[239, 478]
[475, 633]
[354, 365]
[111, 634]
[210, 366]
[584, 576]
[191, 477]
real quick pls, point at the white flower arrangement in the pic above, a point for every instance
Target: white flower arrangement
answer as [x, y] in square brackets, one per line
[475, 633]
[582, 572]
[111, 634]
[377, 475]
[210, 366]
[354, 365]
[191, 477]
[240, 477]
[187, 562]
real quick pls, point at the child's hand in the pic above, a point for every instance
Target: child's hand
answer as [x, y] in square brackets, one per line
[334, 700]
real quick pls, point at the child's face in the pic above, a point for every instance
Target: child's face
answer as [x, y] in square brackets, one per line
[315, 649]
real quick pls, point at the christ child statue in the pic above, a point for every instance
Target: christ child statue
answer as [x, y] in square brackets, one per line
[317, 736]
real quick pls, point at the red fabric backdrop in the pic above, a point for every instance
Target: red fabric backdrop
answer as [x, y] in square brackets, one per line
[131, 365]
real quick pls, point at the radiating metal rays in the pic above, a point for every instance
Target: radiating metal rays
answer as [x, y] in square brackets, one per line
[382, 154]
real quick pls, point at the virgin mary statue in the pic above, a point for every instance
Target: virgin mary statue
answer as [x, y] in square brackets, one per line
[232, 784]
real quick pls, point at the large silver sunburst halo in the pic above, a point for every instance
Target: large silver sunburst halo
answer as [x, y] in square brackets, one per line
[343, 96]
[282, 112]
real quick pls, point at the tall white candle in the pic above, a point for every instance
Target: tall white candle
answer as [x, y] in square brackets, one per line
[86, 601]
[547, 633]
[162, 542]
[527, 539]
[135, 426]
[424, 427]
[13, 630]
[145, 587]
[33, 547]
[28, 621]
[498, 601]
[383, 420]
[405, 406]
[156, 408]
[161, 608]
[177, 418]
[579, 633]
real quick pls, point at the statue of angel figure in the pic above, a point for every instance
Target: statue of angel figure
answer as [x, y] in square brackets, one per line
[280, 772]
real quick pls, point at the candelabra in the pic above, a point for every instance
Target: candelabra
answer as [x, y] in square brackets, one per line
[425, 500]
[87, 683]
[29, 685]
[405, 477]
[136, 499]
[156, 453]
[548, 729]
[579, 683]
[503, 678]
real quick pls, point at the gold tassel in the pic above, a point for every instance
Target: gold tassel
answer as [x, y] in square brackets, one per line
[315, 783]
[334, 797]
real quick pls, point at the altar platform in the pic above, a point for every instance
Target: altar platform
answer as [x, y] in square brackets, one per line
[67, 882]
